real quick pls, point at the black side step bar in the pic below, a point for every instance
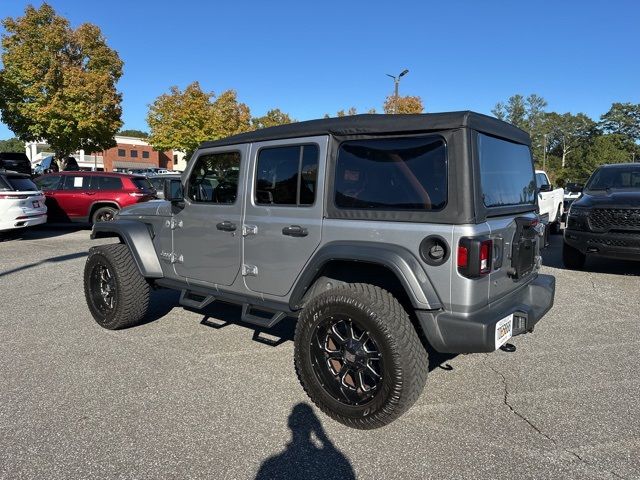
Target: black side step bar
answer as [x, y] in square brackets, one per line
[195, 300]
[261, 321]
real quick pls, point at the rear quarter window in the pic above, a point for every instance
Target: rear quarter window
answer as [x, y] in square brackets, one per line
[392, 174]
[142, 183]
[107, 183]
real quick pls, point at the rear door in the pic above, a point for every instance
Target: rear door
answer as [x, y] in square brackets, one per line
[508, 182]
[76, 196]
[283, 220]
[207, 236]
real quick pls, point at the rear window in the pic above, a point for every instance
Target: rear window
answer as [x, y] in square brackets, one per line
[22, 184]
[106, 183]
[158, 183]
[392, 174]
[4, 185]
[506, 172]
[142, 183]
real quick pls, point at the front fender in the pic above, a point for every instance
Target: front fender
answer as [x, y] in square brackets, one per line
[137, 237]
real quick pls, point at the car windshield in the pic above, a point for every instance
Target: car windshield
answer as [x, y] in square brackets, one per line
[615, 178]
[22, 184]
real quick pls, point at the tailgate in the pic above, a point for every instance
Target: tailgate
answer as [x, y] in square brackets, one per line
[516, 253]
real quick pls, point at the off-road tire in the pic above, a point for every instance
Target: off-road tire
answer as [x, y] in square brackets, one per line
[131, 289]
[406, 361]
[572, 258]
[100, 213]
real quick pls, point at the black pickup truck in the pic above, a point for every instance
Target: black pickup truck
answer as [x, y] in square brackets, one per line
[605, 220]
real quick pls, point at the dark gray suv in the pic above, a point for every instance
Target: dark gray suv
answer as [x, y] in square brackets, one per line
[382, 234]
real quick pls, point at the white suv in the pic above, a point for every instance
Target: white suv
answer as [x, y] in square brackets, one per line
[22, 204]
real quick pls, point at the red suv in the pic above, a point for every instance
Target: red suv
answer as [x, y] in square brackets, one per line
[92, 196]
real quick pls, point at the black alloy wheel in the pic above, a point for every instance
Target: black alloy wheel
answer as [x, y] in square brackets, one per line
[346, 360]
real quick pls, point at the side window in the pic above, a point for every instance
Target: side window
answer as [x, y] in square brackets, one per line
[72, 182]
[133, 153]
[121, 152]
[287, 175]
[107, 183]
[48, 183]
[392, 174]
[145, 154]
[214, 178]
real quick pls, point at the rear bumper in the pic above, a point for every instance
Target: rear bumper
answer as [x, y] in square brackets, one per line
[625, 246]
[475, 331]
[30, 221]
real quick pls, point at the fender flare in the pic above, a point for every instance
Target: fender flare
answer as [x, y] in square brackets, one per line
[137, 237]
[399, 260]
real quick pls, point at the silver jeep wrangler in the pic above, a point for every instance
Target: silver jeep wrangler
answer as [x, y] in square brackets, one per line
[387, 236]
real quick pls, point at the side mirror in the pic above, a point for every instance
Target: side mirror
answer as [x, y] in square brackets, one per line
[546, 187]
[173, 190]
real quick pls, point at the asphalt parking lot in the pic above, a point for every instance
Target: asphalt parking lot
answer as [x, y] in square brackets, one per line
[198, 396]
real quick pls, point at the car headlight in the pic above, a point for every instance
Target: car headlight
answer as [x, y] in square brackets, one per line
[578, 212]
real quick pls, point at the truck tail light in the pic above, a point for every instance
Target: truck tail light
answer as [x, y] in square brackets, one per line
[475, 255]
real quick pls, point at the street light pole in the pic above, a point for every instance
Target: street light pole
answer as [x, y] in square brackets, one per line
[396, 82]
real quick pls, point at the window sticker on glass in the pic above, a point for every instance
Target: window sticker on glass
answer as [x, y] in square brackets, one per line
[77, 182]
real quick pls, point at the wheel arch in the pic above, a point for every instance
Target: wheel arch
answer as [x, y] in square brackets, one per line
[102, 203]
[137, 237]
[332, 262]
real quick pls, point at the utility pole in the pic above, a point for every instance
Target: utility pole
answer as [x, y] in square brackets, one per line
[396, 81]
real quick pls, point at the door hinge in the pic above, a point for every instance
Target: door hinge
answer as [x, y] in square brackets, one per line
[171, 257]
[249, 230]
[249, 270]
[173, 224]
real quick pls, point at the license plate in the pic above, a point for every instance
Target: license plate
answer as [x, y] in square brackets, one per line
[36, 204]
[504, 330]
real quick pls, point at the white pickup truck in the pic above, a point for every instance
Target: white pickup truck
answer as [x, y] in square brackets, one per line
[551, 202]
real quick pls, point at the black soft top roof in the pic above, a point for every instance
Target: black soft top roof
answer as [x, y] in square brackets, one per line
[382, 124]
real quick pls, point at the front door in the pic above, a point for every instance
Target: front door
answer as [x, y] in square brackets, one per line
[208, 228]
[76, 196]
[283, 221]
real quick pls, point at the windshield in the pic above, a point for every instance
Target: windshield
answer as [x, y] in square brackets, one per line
[4, 186]
[22, 184]
[506, 172]
[614, 178]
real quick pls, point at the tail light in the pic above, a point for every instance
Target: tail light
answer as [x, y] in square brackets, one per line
[475, 256]
[13, 196]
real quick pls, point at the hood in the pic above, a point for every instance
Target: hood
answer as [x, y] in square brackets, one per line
[610, 199]
[140, 209]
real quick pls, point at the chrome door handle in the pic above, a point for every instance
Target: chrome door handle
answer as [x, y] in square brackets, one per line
[295, 231]
[226, 226]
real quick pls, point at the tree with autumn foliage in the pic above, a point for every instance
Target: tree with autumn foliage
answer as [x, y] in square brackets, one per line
[58, 84]
[181, 120]
[272, 118]
[407, 104]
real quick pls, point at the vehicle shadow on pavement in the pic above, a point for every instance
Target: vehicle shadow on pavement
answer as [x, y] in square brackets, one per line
[310, 454]
[61, 258]
[552, 257]
[41, 231]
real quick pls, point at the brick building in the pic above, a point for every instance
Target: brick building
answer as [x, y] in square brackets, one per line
[132, 153]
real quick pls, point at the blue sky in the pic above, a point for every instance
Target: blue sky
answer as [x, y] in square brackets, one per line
[312, 58]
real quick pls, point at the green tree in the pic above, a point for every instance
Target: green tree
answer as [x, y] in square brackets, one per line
[610, 148]
[622, 119]
[12, 145]
[565, 132]
[272, 118]
[181, 120]
[133, 133]
[407, 104]
[59, 84]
